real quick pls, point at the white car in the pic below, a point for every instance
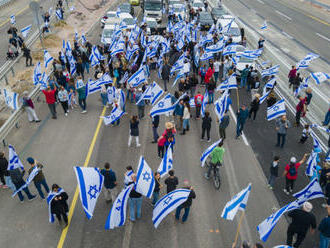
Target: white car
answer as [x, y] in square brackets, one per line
[179, 9]
[108, 15]
[128, 19]
[234, 31]
[152, 25]
[196, 5]
[243, 61]
[107, 33]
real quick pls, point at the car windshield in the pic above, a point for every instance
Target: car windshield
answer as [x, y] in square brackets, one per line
[153, 6]
[245, 60]
[110, 15]
[234, 32]
[152, 24]
[129, 21]
[107, 33]
[205, 16]
[198, 5]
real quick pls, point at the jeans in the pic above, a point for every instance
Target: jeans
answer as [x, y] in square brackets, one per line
[211, 97]
[216, 76]
[27, 59]
[279, 137]
[298, 116]
[186, 124]
[198, 111]
[243, 82]
[207, 132]
[110, 194]
[155, 134]
[326, 118]
[130, 93]
[239, 128]
[86, 66]
[324, 241]
[82, 103]
[165, 84]
[65, 106]
[140, 112]
[104, 97]
[135, 203]
[222, 132]
[27, 192]
[155, 197]
[178, 122]
[254, 111]
[271, 180]
[52, 109]
[10, 183]
[185, 215]
[65, 217]
[38, 186]
[290, 233]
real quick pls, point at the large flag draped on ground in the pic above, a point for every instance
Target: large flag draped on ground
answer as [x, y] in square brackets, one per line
[238, 202]
[167, 162]
[14, 161]
[33, 173]
[11, 99]
[145, 181]
[208, 151]
[277, 110]
[266, 227]
[311, 191]
[50, 198]
[168, 203]
[90, 182]
[163, 106]
[117, 215]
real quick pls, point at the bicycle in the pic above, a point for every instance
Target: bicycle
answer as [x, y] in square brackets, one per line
[216, 173]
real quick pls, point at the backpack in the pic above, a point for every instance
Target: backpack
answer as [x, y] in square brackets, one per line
[292, 170]
[169, 136]
[199, 100]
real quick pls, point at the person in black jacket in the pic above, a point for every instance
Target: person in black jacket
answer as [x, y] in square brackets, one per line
[206, 126]
[187, 204]
[59, 206]
[273, 172]
[3, 170]
[17, 178]
[254, 106]
[155, 124]
[166, 73]
[27, 55]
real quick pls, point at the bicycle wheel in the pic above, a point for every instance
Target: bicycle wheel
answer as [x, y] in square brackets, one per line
[216, 179]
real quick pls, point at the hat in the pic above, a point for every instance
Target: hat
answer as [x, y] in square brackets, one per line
[30, 160]
[169, 125]
[186, 183]
[25, 93]
[307, 206]
[99, 75]
[139, 89]
[293, 160]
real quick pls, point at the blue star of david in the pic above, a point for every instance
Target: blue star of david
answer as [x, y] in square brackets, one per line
[146, 176]
[113, 116]
[168, 200]
[118, 207]
[307, 193]
[229, 48]
[137, 79]
[276, 108]
[152, 94]
[92, 191]
[161, 104]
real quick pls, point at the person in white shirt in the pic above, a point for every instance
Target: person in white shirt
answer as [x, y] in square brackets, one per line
[186, 117]
[63, 96]
[216, 66]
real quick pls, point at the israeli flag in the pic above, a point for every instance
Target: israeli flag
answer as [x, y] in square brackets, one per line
[90, 182]
[270, 71]
[197, 58]
[327, 130]
[208, 151]
[216, 48]
[251, 54]
[37, 74]
[11, 99]
[270, 84]
[118, 12]
[26, 30]
[206, 56]
[167, 162]
[320, 77]
[205, 101]
[264, 26]
[311, 191]
[316, 142]
[277, 110]
[220, 105]
[238, 202]
[94, 61]
[156, 93]
[130, 51]
[33, 173]
[73, 68]
[117, 215]
[12, 19]
[128, 177]
[124, 78]
[14, 161]
[44, 81]
[229, 49]
[80, 84]
[47, 58]
[229, 83]
[302, 86]
[266, 227]
[145, 95]
[118, 48]
[97, 53]
[50, 198]
[235, 60]
[83, 39]
[59, 15]
[163, 106]
[192, 103]
[111, 91]
[304, 63]
[92, 87]
[145, 181]
[76, 36]
[168, 203]
[115, 115]
[311, 164]
[105, 79]
[264, 97]
[178, 65]
[137, 78]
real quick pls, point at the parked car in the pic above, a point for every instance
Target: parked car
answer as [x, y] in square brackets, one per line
[234, 31]
[107, 33]
[196, 5]
[108, 15]
[205, 20]
[242, 62]
[216, 13]
[126, 8]
[128, 19]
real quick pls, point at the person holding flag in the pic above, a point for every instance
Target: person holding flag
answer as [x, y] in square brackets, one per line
[187, 204]
[17, 179]
[134, 201]
[57, 201]
[242, 115]
[158, 186]
[134, 131]
[216, 158]
[27, 55]
[50, 100]
[39, 179]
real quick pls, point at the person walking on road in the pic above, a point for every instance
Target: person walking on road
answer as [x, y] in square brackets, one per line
[187, 204]
[82, 97]
[282, 125]
[29, 108]
[140, 104]
[324, 228]
[301, 109]
[254, 106]
[166, 73]
[292, 75]
[198, 103]
[171, 182]
[206, 126]
[27, 55]
[302, 221]
[273, 172]
[39, 179]
[17, 179]
[155, 124]
[59, 205]
[50, 100]
[3, 170]
[326, 118]
[178, 115]
[291, 173]
[242, 115]
[158, 186]
[63, 97]
[224, 123]
[135, 202]
[134, 131]
[244, 76]
[110, 183]
[186, 118]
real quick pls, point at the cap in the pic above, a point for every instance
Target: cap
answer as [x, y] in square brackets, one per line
[30, 160]
[307, 206]
[186, 183]
[293, 160]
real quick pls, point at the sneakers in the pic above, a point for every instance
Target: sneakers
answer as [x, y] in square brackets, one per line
[84, 111]
[270, 187]
[33, 197]
[286, 192]
[138, 145]
[66, 114]
[209, 140]
[206, 176]
[37, 121]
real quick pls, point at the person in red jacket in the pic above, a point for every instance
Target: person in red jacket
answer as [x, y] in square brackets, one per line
[208, 75]
[198, 103]
[301, 109]
[50, 99]
[291, 173]
[292, 75]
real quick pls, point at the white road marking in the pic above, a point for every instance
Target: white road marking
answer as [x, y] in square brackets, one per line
[284, 15]
[287, 35]
[260, 1]
[322, 36]
[234, 117]
[253, 10]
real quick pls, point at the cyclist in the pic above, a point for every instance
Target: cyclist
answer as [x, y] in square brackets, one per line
[216, 158]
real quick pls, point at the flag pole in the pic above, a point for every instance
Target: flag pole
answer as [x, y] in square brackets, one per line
[238, 228]
[237, 96]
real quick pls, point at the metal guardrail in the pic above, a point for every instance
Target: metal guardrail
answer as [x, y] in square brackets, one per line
[4, 2]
